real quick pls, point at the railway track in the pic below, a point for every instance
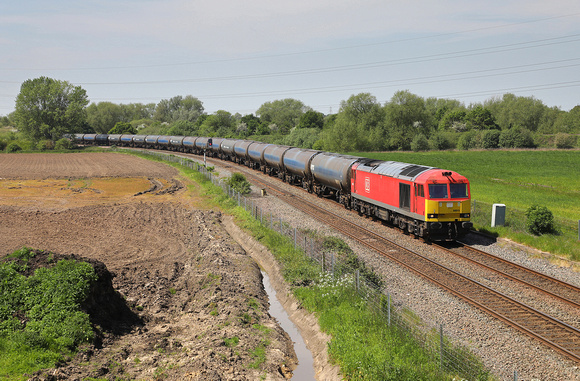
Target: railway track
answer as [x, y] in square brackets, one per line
[550, 331]
[556, 288]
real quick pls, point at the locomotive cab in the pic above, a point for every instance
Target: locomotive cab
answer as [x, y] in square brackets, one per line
[447, 203]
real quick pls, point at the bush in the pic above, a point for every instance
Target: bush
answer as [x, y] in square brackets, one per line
[467, 141]
[439, 142]
[490, 139]
[539, 220]
[13, 147]
[420, 143]
[2, 145]
[239, 183]
[63, 144]
[45, 145]
[563, 140]
[516, 138]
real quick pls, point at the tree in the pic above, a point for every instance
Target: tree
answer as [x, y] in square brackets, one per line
[481, 118]
[123, 128]
[311, 119]
[284, 113]
[406, 116]
[179, 108]
[103, 116]
[252, 123]
[221, 123]
[511, 110]
[358, 126]
[47, 108]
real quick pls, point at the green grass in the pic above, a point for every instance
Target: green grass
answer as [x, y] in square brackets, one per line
[40, 318]
[518, 179]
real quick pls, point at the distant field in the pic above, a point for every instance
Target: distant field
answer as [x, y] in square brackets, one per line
[515, 178]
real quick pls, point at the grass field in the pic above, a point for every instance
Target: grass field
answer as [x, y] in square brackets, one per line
[517, 179]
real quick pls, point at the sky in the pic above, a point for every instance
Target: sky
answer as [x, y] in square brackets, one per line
[236, 55]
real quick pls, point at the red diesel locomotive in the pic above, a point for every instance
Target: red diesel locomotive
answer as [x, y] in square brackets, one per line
[426, 201]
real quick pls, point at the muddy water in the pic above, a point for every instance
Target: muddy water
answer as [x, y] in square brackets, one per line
[305, 368]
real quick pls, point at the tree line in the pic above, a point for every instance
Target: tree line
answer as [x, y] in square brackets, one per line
[47, 109]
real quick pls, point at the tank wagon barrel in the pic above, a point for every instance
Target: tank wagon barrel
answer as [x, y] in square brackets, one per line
[114, 139]
[189, 143]
[227, 149]
[151, 140]
[241, 151]
[333, 170]
[176, 143]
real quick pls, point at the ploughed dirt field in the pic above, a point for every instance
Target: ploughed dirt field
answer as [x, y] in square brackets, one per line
[190, 302]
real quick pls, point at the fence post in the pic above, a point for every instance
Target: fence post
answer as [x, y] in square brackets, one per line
[441, 345]
[515, 375]
[578, 230]
[389, 308]
[280, 224]
[332, 264]
[356, 276]
[294, 238]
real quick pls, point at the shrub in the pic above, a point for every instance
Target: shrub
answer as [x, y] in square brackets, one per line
[539, 220]
[563, 140]
[63, 144]
[45, 145]
[13, 147]
[490, 139]
[2, 145]
[420, 143]
[467, 141]
[239, 183]
[439, 142]
[516, 138]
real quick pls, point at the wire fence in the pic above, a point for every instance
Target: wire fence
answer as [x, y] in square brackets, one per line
[452, 358]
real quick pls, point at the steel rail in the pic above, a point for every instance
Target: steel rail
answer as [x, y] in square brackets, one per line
[554, 287]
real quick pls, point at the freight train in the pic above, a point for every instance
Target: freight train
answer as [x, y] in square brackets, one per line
[429, 202]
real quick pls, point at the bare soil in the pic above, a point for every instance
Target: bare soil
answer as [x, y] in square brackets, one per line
[189, 302]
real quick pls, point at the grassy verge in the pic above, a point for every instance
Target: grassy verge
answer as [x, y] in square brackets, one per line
[363, 344]
[518, 179]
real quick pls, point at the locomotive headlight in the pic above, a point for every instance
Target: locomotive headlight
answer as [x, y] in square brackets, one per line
[464, 215]
[432, 215]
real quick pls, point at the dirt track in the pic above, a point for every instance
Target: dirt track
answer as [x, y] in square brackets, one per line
[193, 288]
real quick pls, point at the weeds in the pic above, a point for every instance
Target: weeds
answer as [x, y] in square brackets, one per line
[40, 316]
